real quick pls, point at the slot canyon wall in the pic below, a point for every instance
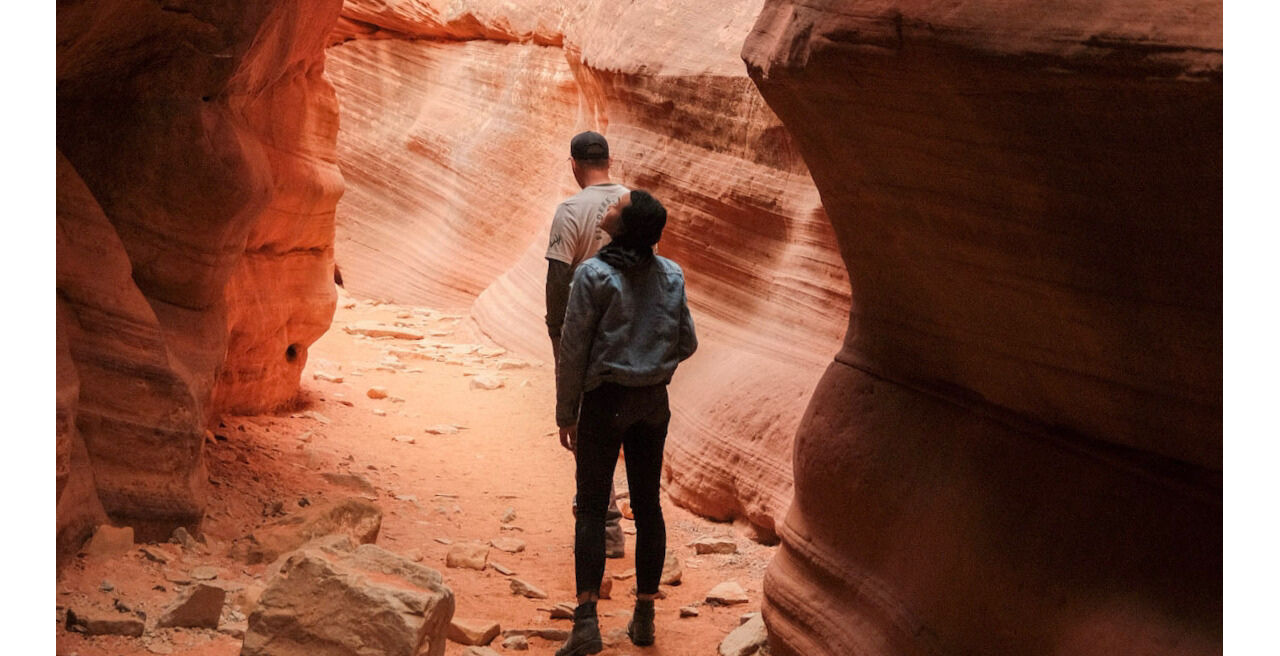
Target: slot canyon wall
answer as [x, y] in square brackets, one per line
[196, 187]
[456, 119]
[1018, 450]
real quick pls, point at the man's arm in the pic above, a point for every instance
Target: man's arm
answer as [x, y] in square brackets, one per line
[576, 339]
[559, 275]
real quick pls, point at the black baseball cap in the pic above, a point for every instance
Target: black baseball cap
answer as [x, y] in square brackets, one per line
[589, 145]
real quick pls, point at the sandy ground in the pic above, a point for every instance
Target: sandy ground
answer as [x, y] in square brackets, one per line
[436, 490]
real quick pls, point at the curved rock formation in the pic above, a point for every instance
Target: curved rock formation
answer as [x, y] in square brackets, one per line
[196, 187]
[1019, 448]
[456, 119]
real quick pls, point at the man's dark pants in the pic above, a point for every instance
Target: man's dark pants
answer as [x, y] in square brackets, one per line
[635, 419]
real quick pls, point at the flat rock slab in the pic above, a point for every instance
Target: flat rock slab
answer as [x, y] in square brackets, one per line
[200, 607]
[354, 482]
[481, 651]
[746, 640]
[689, 611]
[526, 589]
[555, 635]
[467, 555]
[379, 329]
[365, 601]
[473, 632]
[509, 545]
[109, 541]
[354, 517]
[728, 593]
[441, 429]
[486, 382]
[714, 546]
[93, 621]
[516, 643]
[376, 393]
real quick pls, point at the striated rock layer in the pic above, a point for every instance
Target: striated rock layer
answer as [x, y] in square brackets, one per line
[456, 119]
[1018, 450]
[196, 187]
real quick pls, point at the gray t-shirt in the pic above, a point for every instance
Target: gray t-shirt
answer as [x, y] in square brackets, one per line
[575, 230]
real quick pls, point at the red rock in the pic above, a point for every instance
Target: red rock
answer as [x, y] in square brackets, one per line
[196, 190]
[1026, 414]
[352, 517]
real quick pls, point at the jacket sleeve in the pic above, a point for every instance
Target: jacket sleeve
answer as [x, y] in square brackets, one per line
[580, 322]
[688, 339]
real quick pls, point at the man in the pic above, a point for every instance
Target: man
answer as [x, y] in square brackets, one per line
[626, 329]
[575, 236]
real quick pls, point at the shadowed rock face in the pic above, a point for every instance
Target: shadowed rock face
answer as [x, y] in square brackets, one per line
[196, 187]
[1019, 448]
[456, 122]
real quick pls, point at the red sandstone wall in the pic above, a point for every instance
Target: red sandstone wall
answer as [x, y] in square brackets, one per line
[196, 187]
[1019, 448]
[456, 119]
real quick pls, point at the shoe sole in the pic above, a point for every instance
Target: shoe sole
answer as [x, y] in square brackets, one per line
[582, 650]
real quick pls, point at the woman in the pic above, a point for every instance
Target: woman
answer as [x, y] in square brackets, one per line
[626, 328]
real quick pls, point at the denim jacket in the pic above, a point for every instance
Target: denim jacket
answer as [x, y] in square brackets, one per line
[626, 326]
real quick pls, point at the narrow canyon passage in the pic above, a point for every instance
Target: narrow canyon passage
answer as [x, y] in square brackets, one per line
[448, 462]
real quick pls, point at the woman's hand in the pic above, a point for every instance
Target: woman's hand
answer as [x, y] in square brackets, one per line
[569, 437]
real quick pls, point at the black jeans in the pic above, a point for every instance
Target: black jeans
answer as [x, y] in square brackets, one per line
[634, 418]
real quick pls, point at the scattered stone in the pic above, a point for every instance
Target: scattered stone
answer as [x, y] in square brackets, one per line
[625, 574]
[354, 482]
[109, 541]
[234, 629]
[711, 545]
[106, 586]
[562, 611]
[479, 651]
[486, 382]
[379, 412]
[92, 621]
[204, 573]
[414, 554]
[606, 588]
[746, 640]
[348, 601]
[615, 637]
[672, 572]
[501, 569]
[318, 417]
[516, 643]
[404, 315]
[376, 392]
[511, 363]
[200, 607]
[352, 516]
[159, 647]
[554, 635]
[441, 429]
[688, 611]
[177, 578]
[326, 377]
[444, 541]
[509, 545]
[728, 593]
[473, 632]
[491, 351]
[404, 439]
[376, 329]
[509, 516]
[469, 555]
[526, 589]
[395, 399]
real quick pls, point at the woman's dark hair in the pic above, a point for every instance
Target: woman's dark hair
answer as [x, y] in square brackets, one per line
[642, 221]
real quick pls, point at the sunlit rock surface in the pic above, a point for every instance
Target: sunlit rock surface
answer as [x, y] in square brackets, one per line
[1019, 448]
[455, 124]
[196, 187]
